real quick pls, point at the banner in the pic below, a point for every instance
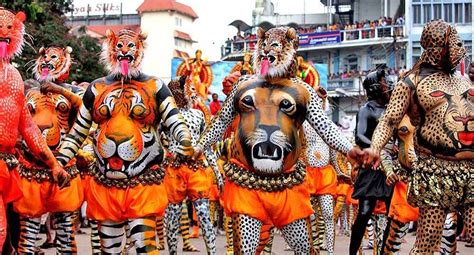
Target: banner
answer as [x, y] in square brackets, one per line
[312, 39]
[323, 74]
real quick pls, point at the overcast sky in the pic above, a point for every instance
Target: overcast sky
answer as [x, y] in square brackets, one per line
[212, 28]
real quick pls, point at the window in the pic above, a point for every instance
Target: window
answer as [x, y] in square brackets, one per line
[426, 13]
[178, 21]
[416, 14]
[179, 43]
[458, 13]
[437, 13]
[448, 13]
[468, 13]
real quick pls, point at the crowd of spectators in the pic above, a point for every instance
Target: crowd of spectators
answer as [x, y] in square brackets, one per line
[360, 73]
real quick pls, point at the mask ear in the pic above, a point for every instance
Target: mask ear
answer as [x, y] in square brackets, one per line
[291, 36]
[111, 37]
[68, 50]
[21, 16]
[261, 33]
[142, 36]
[41, 51]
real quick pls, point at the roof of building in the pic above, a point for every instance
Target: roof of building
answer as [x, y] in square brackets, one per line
[101, 30]
[183, 36]
[166, 5]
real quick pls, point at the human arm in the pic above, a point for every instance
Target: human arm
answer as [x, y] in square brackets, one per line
[79, 131]
[396, 109]
[38, 147]
[219, 123]
[172, 120]
[363, 118]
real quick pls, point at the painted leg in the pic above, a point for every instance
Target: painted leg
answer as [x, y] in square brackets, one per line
[246, 234]
[95, 239]
[448, 239]
[172, 223]
[29, 230]
[128, 241]
[340, 201]
[397, 232]
[326, 203]
[429, 231]
[184, 230]
[317, 224]
[3, 223]
[160, 233]
[469, 223]
[380, 224]
[266, 240]
[297, 236]
[229, 234]
[66, 232]
[111, 235]
[202, 210]
[143, 235]
[366, 207]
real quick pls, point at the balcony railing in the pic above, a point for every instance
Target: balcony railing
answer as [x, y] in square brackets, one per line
[240, 46]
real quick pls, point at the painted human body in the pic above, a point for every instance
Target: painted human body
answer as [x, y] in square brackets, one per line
[265, 175]
[439, 103]
[369, 187]
[127, 106]
[187, 179]
[15, 118]
[53, 113]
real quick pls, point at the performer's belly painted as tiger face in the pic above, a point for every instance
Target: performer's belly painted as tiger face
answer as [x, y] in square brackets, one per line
[126, 141]
[271, 114]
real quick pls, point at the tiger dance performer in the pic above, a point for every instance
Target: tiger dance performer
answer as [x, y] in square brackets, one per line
[265, 176]
[127, 105]
[323, 171]
[17, 120]
[187, 179]
[439, 103]
[54, 114]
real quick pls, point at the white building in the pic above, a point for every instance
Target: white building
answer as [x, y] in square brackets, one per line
[167, 23]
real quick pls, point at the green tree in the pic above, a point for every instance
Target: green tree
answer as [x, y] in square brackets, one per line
[45, 26]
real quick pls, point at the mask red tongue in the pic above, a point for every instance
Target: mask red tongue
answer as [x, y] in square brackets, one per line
[115, 163]
[466, 138]
[124, 66]
[44, 73]
[265, 66]
[3, 49]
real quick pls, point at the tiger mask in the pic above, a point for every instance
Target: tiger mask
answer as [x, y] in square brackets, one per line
[52, 113]
[275, 55]
[271, 115]
[53, 64]
[123, 53]
[183, 92]
[11, 33]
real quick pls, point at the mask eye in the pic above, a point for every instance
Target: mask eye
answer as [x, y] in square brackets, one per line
[9, 26]
[287, 106]
[119, 45]
[275, 45]
[437, 93]
[264, 44]
[247, 102]
[31, 108]
[131, 45]
[403, 130]
[62, 107]
[53, 56]
[104, 111]
[138, 110]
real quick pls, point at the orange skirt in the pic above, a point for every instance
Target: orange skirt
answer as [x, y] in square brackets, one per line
[40, 198]
[184, 182]
[349, 199]
[9, 184]
[400, 210]
[322, 180]
[342, 189]
[272, 208]
[115, 204]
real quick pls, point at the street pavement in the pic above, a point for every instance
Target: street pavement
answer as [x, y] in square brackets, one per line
[342, 246]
